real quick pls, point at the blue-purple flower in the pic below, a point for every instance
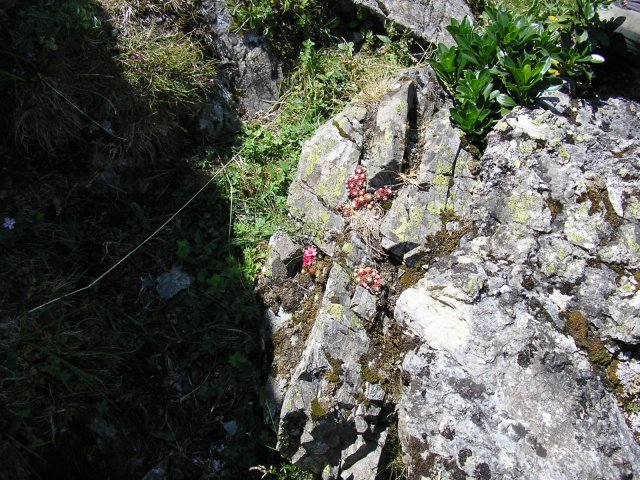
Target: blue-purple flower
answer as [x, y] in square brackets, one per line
[9, 223]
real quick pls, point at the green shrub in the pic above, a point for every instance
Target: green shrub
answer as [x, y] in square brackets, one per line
[286, 23]
[510, 59]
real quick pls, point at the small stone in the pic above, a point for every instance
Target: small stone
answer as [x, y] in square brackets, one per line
[374, 392]
[171, 283]
[230, 427]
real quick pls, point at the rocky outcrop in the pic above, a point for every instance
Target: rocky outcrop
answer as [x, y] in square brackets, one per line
[506, 337]
[427, 19]
[505, 315]
[250, 72]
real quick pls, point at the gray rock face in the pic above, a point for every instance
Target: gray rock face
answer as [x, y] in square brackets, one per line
[252, 67]
[527, 310]
[442, 183]
[327, 159]
[506, 393]
[390, 135]
[283, 256]
[315, 428]
[427, 19]
[494, 313]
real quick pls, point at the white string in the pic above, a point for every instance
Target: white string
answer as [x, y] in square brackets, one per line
[46, 82]
[140, 245]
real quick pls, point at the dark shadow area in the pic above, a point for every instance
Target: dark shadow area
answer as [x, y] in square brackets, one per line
[115, 382]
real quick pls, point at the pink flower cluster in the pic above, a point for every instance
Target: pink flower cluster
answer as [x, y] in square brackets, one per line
[357, 191]
[369, 278]
[309, 256]
[383, 194]
[313, 264]
[357, 182]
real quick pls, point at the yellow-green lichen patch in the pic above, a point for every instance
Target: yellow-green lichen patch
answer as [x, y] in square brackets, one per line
[331, 186]
[527, 148]
[341, 125]
[434, 208]
[522, 206]
[632, 207]
[411, 224]
[335, 311]
[388, 134]
[549, 269]
[501, 126]
[296, 395]
[632, 246]
[348, 248]
[564, 153]
[475, 284]
[443, 178]
[324, 219]
[576, 238]
[556, 262]
[626, 287]
[311, 161]
[321, 149]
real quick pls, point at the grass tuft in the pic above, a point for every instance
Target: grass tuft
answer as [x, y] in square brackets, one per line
[168, 70]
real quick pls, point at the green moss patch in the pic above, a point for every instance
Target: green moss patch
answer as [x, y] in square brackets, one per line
[379, 363]
[440, 244]
[578, 327]
[336, 369]
[286, 354]
[600, 202]
[319, 409]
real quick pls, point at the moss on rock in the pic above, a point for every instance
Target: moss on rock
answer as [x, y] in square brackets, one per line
[578, 328]
[318, 409]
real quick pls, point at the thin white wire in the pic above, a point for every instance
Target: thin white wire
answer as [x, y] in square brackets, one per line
[113, 267]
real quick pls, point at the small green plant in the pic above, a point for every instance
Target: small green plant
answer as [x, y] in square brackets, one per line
[286, 471]
[525, 77]
[507, 60]
[318, 409]
[475, 102]
[285, 23]
[580, 35]
[48, 26]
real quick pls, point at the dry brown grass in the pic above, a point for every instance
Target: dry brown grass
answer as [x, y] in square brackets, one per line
[366, 223]
[375, 85]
